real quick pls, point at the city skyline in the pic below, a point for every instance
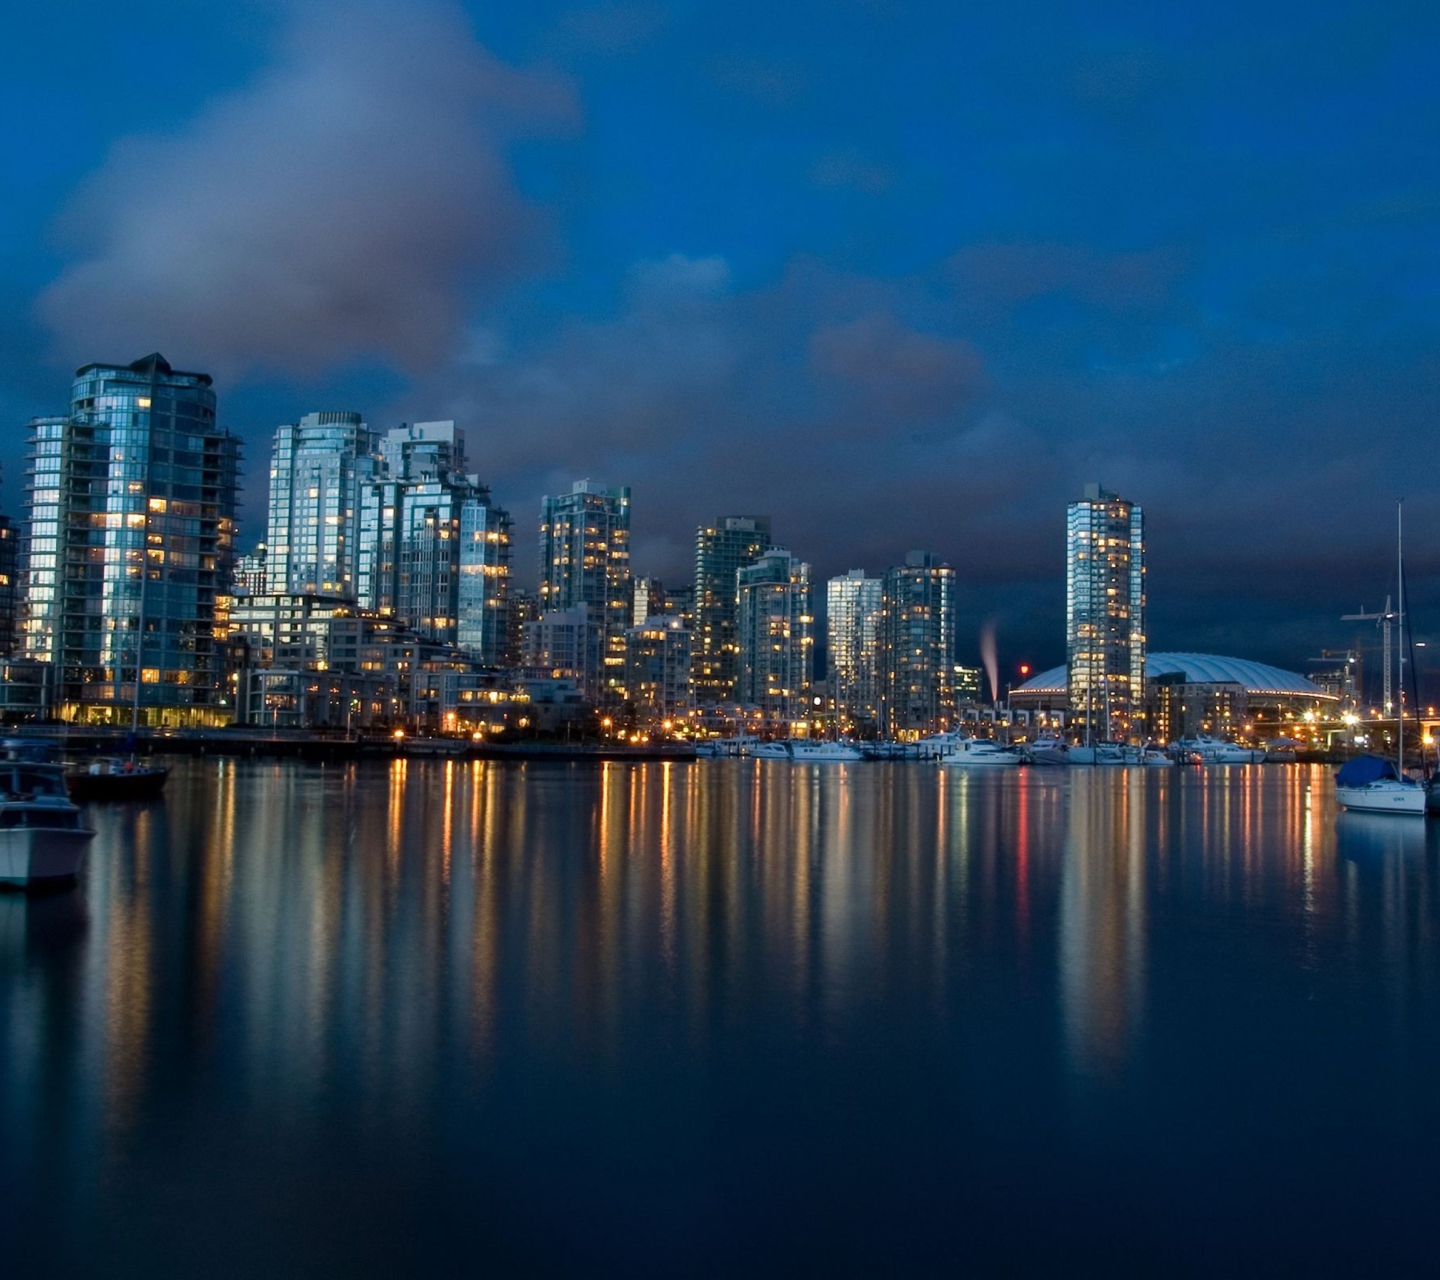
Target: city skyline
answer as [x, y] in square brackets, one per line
[1203, 294]
[414, 474]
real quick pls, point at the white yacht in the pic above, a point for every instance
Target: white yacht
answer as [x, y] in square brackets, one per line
[1238, 753]
[977, 753]
[1203, 749]
[1049, 748]
[41, 839]
[938, 745]
[715, 747]
[769, 751]
[824, 752]
[1101, 753]
[802, 752]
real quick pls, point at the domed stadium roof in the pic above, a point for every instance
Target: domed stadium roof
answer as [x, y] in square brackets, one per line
[1201, 668]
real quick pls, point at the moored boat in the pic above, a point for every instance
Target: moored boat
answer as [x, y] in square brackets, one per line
[1049, 748]
[824, 752]
[980, 753]
[110, 778]
[41, 839]
[1368, 784]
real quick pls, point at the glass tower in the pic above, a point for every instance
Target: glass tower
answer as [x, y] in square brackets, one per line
[917, 647]
[317, 467]
[1105, 615]
[433, 550]
[775, 631]
[585, 559]
[721, 550]
[853, 630]
[131, 508]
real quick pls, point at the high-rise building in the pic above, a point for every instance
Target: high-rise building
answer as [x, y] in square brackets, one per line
[649, 597]
[317, 469]
[131, 507]
[9, 586]
[251, 577]
[434, 551]
[721, 550]
[657, 670]
[680, 603]
[917, 647]
[585, 559]
[415, 450]
[522, 609]
[483, 604]
[775, 631]
[853, 609]
[1105, 614]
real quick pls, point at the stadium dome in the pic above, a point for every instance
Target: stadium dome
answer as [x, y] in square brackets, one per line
[1257, 678]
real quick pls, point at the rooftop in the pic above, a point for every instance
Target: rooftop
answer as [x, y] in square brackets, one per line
[1201, 668]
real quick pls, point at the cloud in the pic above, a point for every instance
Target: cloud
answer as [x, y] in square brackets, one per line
[347, 204]
[1008, 274]
[899, 372]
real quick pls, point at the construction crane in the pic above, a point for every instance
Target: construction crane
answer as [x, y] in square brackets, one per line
[1384, 618]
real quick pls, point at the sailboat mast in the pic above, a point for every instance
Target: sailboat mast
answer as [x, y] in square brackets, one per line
[1400, 624]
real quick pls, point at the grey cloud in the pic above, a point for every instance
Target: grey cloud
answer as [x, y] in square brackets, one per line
[345, 205]
[900, 372]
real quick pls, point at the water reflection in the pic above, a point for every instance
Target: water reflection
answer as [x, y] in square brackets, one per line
[389, 951]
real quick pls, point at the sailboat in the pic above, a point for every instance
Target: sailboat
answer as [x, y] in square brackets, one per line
[1369, 784]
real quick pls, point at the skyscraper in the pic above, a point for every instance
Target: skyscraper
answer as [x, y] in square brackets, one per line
[131, 503]
[317, 468]
[917, 646]
[483, 604]
[721, 549]
[775, 633]
[434, 551]
[1105, 614]
[585, 559]
[853, 630]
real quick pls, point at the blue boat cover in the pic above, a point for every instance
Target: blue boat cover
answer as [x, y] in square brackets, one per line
[1364, 769]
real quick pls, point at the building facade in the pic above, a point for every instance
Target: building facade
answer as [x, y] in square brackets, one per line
[131, 514]
[775, 635]
[585, 559]
[657, 670]
[317, 469]
[732, 543]
[434, 551]
[853, 613]
[483, 601]
[9, 587]
[567, 644]
[917, 647]
[1105, 616]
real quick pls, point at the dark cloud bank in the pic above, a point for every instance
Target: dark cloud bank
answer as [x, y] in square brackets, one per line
[357, 203]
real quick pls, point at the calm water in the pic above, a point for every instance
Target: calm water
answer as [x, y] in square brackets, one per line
[725, 1017]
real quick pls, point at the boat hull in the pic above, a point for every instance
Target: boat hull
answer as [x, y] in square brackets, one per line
[981, 760]
[32, 856]
[1383, 797]
[1049, 755]
[143, 784]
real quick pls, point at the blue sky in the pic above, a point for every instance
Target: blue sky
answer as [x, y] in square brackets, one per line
[899, 274]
